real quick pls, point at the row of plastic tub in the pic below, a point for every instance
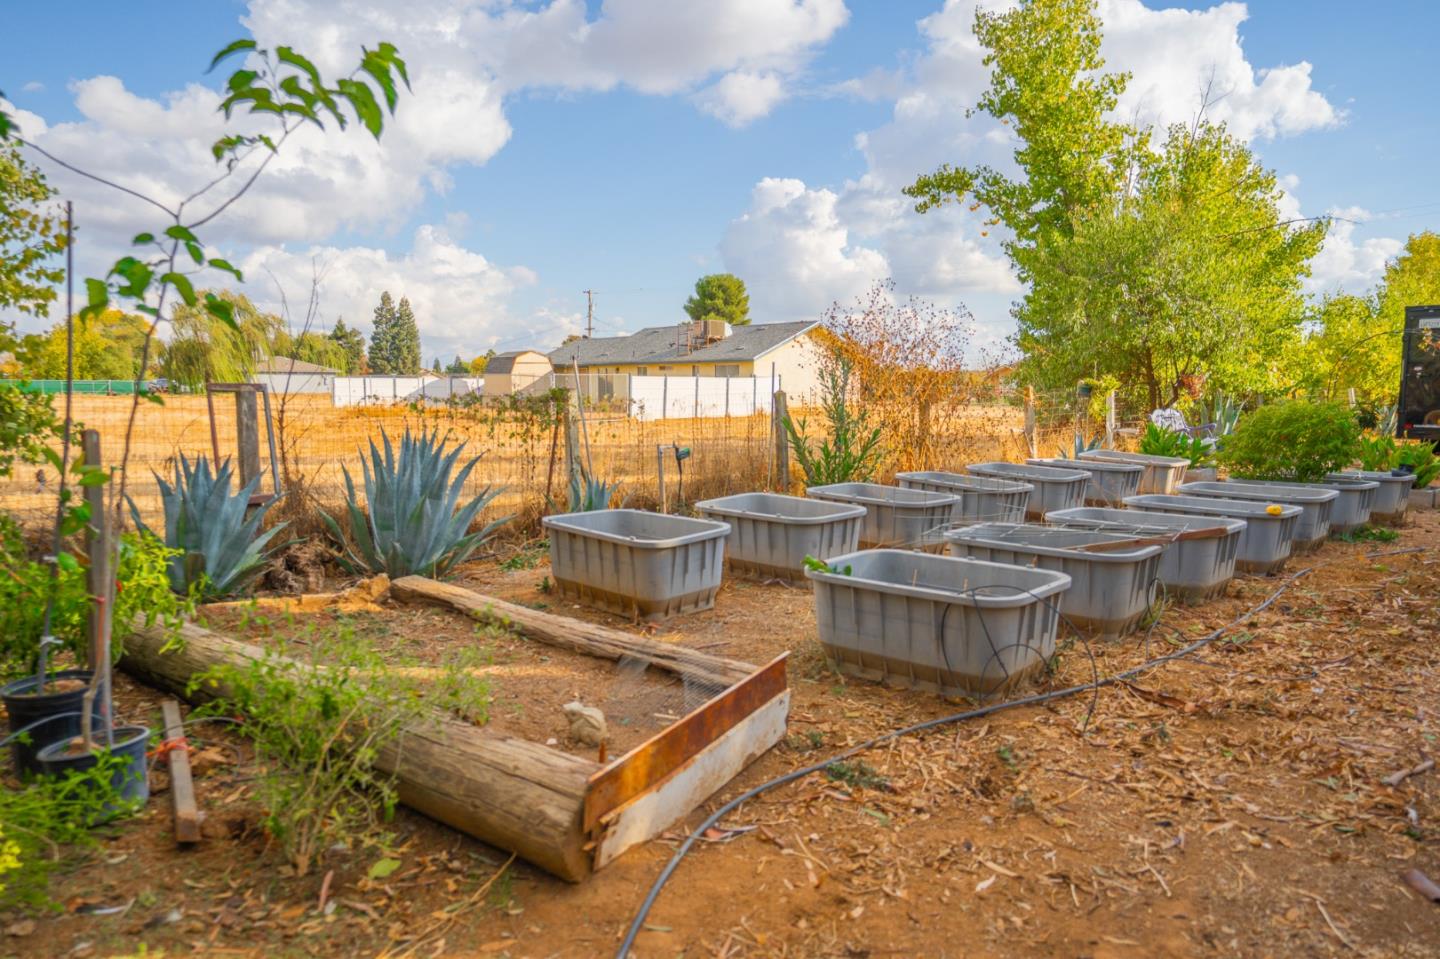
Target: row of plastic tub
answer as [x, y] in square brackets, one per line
[981, 618]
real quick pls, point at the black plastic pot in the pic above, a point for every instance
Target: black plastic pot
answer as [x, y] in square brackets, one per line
[54, 716]
[131, 779]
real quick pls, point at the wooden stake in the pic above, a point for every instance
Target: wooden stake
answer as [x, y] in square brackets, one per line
[247, 435]
[779, 413]
[1030, 421]
[100, 576]
[182, 787]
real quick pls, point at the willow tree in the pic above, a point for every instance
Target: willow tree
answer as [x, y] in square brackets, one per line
[1170, 269]
[205, 348]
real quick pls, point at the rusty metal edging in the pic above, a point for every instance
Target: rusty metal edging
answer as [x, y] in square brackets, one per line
[651, 762]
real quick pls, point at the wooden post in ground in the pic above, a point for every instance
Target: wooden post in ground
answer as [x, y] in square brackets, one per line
[1030, 421]
[1110, 420]
[572, 444]
[554, 449]
[182, 786]
[778, 412]
[100, 577]
[247, 435]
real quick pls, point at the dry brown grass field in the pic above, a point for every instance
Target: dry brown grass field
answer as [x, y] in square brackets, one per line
[733, 454]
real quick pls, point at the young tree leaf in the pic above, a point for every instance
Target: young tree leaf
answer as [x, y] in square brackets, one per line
[182, 285]
[142, 238]
[230, 49]
[376, 66]
[288, 55]
[222, 310]
[195, 252]
[178, 232]
[225, 265]
[363, 102]
[392, 56]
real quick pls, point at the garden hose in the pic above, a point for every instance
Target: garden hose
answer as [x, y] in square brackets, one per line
[1095, 685]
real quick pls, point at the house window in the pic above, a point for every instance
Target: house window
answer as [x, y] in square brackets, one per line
[727, 369]
[642, 371]
[664, 370]
[694, 371]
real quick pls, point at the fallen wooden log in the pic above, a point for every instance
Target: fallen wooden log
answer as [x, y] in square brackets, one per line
[512, 793]
[573, 634]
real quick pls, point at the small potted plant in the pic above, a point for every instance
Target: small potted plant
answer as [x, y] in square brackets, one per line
[1159, 441]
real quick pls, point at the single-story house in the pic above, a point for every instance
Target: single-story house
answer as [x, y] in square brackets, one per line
[282, 375]
[783, 352]
[513, 371]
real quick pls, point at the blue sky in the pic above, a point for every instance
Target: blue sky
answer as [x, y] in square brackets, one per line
[672, 139]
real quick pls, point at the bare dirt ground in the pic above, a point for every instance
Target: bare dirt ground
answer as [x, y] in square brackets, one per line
[1232, 804]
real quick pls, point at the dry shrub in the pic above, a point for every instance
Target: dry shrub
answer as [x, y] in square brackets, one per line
[910, 360]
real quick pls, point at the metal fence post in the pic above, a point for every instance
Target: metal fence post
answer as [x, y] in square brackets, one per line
[1030, 420]
[1110, 420]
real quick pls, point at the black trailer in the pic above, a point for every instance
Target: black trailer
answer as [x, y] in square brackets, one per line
[1420, 375]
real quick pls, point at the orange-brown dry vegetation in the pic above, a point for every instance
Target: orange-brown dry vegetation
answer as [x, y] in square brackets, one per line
[1247, 801]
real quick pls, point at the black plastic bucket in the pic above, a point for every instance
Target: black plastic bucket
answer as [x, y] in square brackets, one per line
[131, 779]
[62, 709]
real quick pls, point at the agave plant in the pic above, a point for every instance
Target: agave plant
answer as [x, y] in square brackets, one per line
[412, 522]
[588, 493]
[222, 549]
[1081, 445]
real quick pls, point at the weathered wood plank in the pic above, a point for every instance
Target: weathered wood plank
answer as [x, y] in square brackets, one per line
[657, 809]
[182, 786]
[573, 634]
[656, 759]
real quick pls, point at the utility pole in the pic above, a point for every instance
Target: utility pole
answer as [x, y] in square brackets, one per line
[589, 313]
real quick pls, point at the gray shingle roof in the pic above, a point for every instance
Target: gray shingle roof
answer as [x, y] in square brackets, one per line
[286, 365]
[661, 344]
[505, 362]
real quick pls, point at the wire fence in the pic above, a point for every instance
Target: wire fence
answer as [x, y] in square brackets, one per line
[524, 447]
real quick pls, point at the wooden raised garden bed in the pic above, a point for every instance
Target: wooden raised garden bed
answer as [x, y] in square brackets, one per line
[568, 814]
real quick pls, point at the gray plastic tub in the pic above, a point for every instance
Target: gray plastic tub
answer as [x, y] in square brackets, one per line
[1351, 509]
[771, 533]
[1316, 503]
[1264, 545]
[1163, 474]
[1193, 569]
[1110, 482]
[629, 561]
[1110, 590]
[893, 516]
[1054, 488]
[954, 626]
[1391, 499]
[1424, 498]
[983, 499]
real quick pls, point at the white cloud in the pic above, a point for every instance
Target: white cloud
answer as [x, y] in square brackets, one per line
[1344, 263]
[950, 255]
[461, 299]
[794, 252]
[741, 97]
[34, 86]
[1178, 58]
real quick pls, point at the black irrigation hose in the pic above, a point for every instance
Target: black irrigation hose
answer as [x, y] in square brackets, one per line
[645, 906]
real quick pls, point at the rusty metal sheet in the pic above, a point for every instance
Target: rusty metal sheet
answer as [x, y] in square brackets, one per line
[652, 761]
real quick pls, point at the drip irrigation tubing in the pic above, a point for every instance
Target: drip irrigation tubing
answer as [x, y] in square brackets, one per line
[623, 952]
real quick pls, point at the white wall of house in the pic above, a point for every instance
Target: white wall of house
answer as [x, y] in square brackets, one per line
[796, 363]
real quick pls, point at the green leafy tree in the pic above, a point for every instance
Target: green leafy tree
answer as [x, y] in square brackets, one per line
[395, 340]
[107, 347]
[458, 367]
[352, 341]
[1169, 270]
[313, 347]
[435, 365]
[205, 348]
[1190, 283]
[32, 235]
[720, 296]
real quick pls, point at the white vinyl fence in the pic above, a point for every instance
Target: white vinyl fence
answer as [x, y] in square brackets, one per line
[358, 390]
